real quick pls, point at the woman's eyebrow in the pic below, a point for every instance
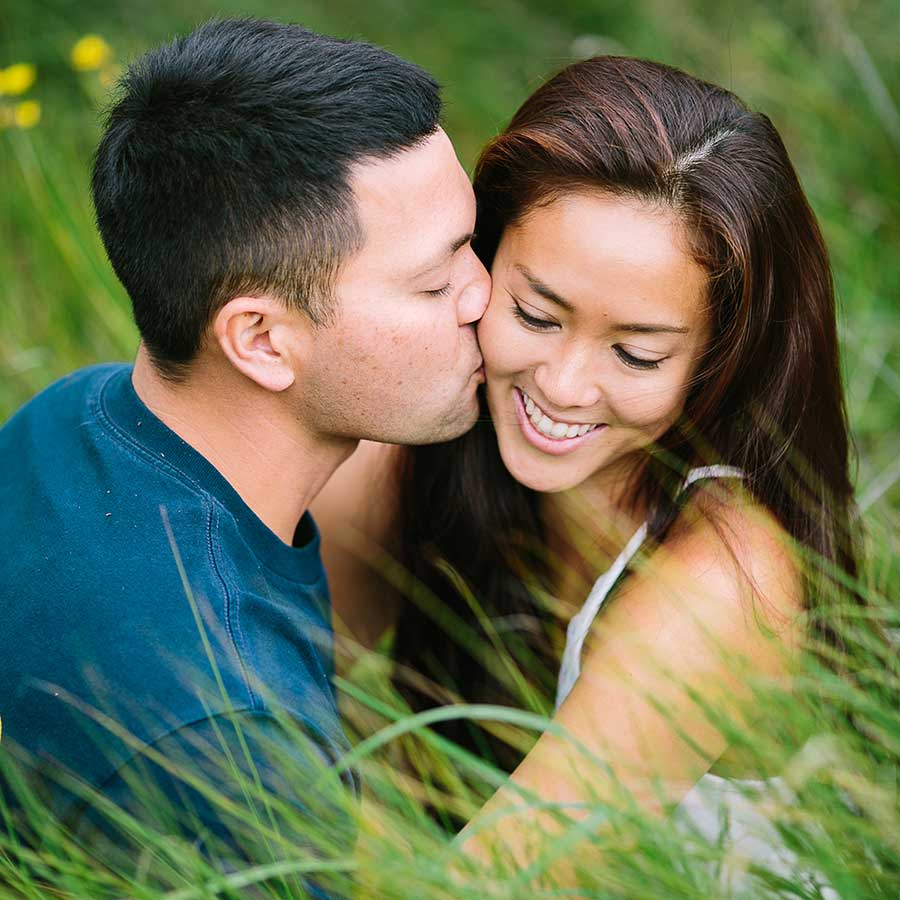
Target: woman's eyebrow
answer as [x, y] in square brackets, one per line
[543, 290]
[548, 293]
[642, 328]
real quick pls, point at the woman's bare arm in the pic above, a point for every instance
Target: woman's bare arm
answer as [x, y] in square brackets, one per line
[710, 608]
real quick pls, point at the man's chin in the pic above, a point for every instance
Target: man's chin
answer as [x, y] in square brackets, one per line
[420, 437]
[449, 428]
[450, 431]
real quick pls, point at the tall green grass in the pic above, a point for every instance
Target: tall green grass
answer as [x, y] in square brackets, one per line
[833, 815]
[828, 74]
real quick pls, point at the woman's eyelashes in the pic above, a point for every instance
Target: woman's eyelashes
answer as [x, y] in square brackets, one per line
[533, 323]
[636, 362]
[439, 292]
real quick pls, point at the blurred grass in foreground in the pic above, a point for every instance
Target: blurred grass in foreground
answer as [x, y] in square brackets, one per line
[827, 72]
[833, 815]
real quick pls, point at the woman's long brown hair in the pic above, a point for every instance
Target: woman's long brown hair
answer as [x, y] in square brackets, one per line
[766, 396]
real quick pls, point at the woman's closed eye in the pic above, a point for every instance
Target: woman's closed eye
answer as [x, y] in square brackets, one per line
[532, 322]
[536, 323]
[636, 362]
[439, 292]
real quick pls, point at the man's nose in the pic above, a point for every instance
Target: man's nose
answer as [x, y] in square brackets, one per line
[474, 298]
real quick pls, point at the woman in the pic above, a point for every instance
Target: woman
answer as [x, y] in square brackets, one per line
[663, 385]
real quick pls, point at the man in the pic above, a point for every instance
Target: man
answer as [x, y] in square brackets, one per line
[292, 227]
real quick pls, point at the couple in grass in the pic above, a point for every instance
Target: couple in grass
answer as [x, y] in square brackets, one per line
[609, 377]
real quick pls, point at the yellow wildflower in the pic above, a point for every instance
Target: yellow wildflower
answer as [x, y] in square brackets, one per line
[27, 113]
[90, 52]
[17, 79]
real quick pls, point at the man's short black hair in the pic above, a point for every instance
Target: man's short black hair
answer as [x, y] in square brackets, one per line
[224, 170]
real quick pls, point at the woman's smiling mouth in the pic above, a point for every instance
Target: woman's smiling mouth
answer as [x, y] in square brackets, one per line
[546, 434]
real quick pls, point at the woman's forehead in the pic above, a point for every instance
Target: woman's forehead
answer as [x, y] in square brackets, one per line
[606, 255]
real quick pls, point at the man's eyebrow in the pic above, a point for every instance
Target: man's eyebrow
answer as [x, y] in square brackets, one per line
[543, 290]
[548, 293]
[461, 241]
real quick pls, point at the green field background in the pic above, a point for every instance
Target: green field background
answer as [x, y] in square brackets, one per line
[826, 71]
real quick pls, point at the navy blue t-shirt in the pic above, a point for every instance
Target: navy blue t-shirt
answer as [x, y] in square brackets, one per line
[137, 585]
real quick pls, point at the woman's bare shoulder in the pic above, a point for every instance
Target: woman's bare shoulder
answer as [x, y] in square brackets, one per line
[701, 623]
[725, 584]
[727, 540]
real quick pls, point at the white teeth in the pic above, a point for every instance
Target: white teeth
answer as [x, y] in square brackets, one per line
[556, 430]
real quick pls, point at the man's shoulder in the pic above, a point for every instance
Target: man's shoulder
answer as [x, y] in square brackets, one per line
[70, 391]
[93, 532]
[47, 430]
[68, 469]
[129, 585]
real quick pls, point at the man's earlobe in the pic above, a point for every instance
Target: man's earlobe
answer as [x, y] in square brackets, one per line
[255, 338]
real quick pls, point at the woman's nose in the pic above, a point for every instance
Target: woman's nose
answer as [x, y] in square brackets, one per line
[572, 381]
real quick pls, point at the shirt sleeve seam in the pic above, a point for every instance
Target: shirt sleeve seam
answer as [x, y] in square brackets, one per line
[231, 608]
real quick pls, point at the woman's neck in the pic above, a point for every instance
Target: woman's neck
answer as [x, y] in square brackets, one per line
[588, 525]
[606, 501]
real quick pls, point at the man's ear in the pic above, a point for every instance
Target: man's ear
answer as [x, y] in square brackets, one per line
[263, 340]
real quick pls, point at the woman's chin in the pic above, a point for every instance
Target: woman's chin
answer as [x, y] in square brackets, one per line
[540, 476]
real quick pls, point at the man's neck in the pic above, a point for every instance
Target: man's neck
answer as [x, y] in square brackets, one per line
[248, 434]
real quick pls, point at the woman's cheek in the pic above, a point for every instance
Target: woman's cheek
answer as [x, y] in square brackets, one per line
[500, 344]
[649, 405]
